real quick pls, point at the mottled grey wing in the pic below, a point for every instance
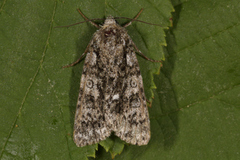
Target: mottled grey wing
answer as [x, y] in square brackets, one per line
[133, 121]
[89, 125]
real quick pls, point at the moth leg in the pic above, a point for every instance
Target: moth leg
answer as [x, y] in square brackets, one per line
[129, 23]
[152, 60]
[88, 19]
[149, 103]
[70, 65]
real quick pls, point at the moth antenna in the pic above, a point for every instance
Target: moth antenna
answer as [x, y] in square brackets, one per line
[137, 21]
[89, 20]
[129, 23]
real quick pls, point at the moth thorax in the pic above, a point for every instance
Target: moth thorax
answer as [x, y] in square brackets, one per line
[110, 31]
[109, 21]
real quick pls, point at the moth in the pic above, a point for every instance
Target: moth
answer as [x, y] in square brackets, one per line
[111, 96]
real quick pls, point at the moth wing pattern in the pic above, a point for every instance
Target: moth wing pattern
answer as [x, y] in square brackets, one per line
[111, 96]
[133, 122]
[89, 125]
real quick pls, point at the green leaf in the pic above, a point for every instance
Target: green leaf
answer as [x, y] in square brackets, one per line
[198, 90]
[195, 112]
[38, 97]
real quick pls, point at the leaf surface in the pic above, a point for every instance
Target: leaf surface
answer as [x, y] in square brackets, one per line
[38, 97]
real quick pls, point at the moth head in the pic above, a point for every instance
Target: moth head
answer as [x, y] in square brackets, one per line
[109, 21]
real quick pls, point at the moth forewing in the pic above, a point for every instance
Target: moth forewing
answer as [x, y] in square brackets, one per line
[111, 96]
